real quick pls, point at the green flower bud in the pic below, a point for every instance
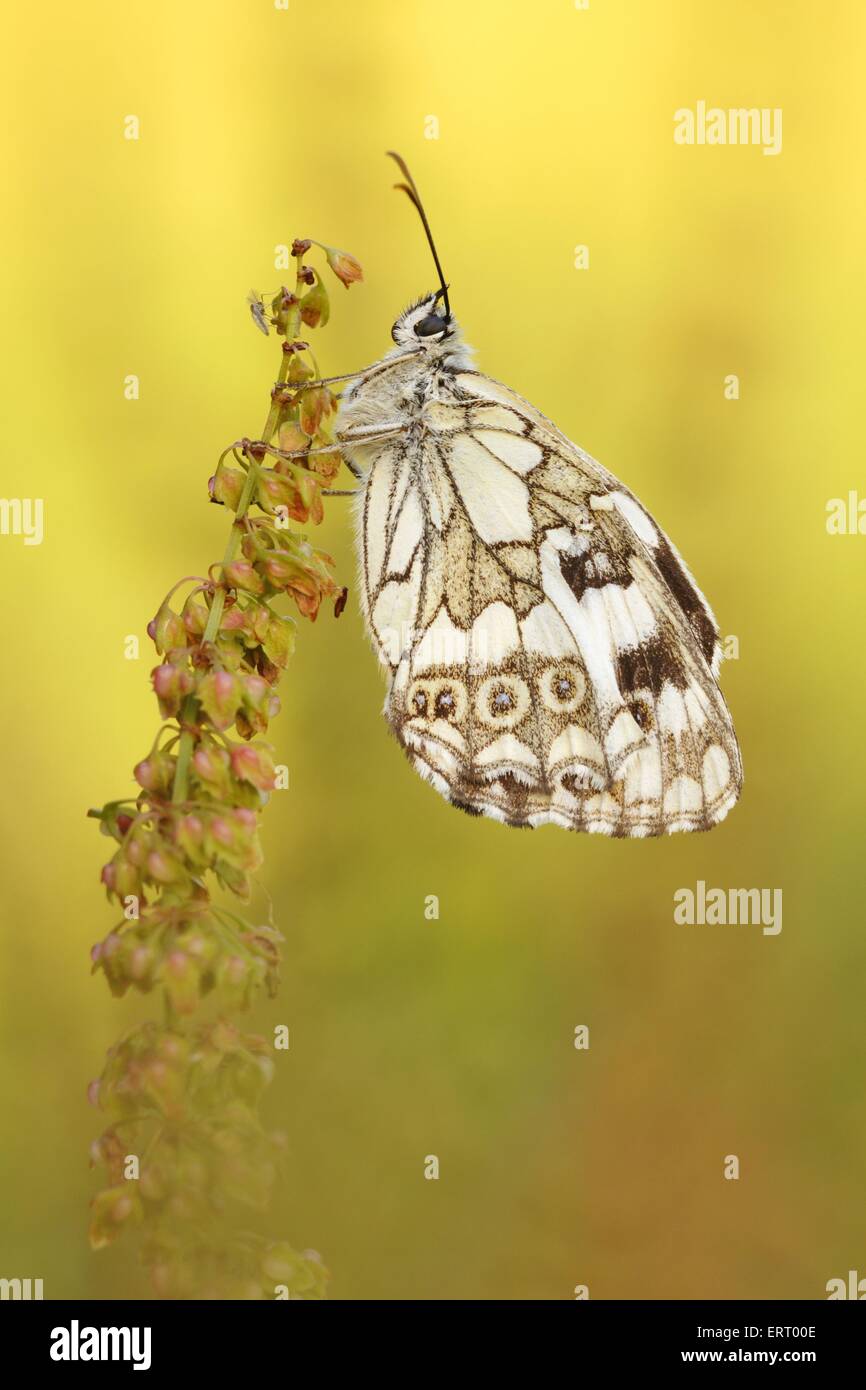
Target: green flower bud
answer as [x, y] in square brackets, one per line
[171, 684]
[226, 487]
[211, 764]
[220, 694]
[239, 574]
[181, 980]
[189, 838]
[315, 404]
[281, 1263]
[279, 568]
[194, 618]
[167, 630]
[164, 867]
[292, 439]
[110, 1211]
[280, 641]
[315, 306]
[254, 764]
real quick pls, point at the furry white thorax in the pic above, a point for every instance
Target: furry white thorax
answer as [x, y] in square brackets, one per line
[387, 398]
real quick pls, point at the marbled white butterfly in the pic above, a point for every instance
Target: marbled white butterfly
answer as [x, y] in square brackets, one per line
[549, 655]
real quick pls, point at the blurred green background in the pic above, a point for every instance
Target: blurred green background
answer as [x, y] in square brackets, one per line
[454, 1037]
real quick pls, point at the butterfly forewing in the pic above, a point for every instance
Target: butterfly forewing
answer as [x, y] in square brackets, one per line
[550, 657]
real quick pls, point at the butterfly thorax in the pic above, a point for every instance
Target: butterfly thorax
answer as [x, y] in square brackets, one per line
[397, 396]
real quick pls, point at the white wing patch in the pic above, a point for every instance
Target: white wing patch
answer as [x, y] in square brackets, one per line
[519, 454]
[408, 532]
[495, 499]
[550, 658]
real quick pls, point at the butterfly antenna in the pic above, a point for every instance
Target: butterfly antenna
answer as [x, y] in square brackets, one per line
[414, 196]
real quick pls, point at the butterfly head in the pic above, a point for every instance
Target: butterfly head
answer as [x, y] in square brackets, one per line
[425, 325]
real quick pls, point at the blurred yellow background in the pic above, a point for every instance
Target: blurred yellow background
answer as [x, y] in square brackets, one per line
[555, 129]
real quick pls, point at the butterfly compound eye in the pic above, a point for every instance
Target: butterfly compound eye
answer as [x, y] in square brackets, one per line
[433, 323]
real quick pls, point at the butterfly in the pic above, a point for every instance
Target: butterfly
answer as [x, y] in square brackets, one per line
[550, 658]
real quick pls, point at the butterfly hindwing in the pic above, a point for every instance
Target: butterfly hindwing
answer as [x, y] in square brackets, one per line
[551, 658]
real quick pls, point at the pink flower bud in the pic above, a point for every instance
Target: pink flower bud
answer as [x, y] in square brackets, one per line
[139, 965]
[226, 486]
[276, 490]
[194, 618]
[122, 1209]
[240, 574]
[189, 837]
[236, 970]
[292, 438]
[254, 765]
[164, 678]
[128, 878]
[279, 568]
[234, 620]
[221, 831]
[167, 630]
[211, 763]
[182, 982]
[281, 1263]
[220, 694]
[192, 828]
[155, 773]
[161, 867]
[255, 691]
[171, 684]
[344, 266]
[146, 775]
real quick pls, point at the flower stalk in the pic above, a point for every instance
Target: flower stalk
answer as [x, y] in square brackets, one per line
[187, 1156]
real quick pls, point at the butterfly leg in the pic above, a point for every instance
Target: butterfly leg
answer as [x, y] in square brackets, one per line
[374, 369]
[372, 435]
